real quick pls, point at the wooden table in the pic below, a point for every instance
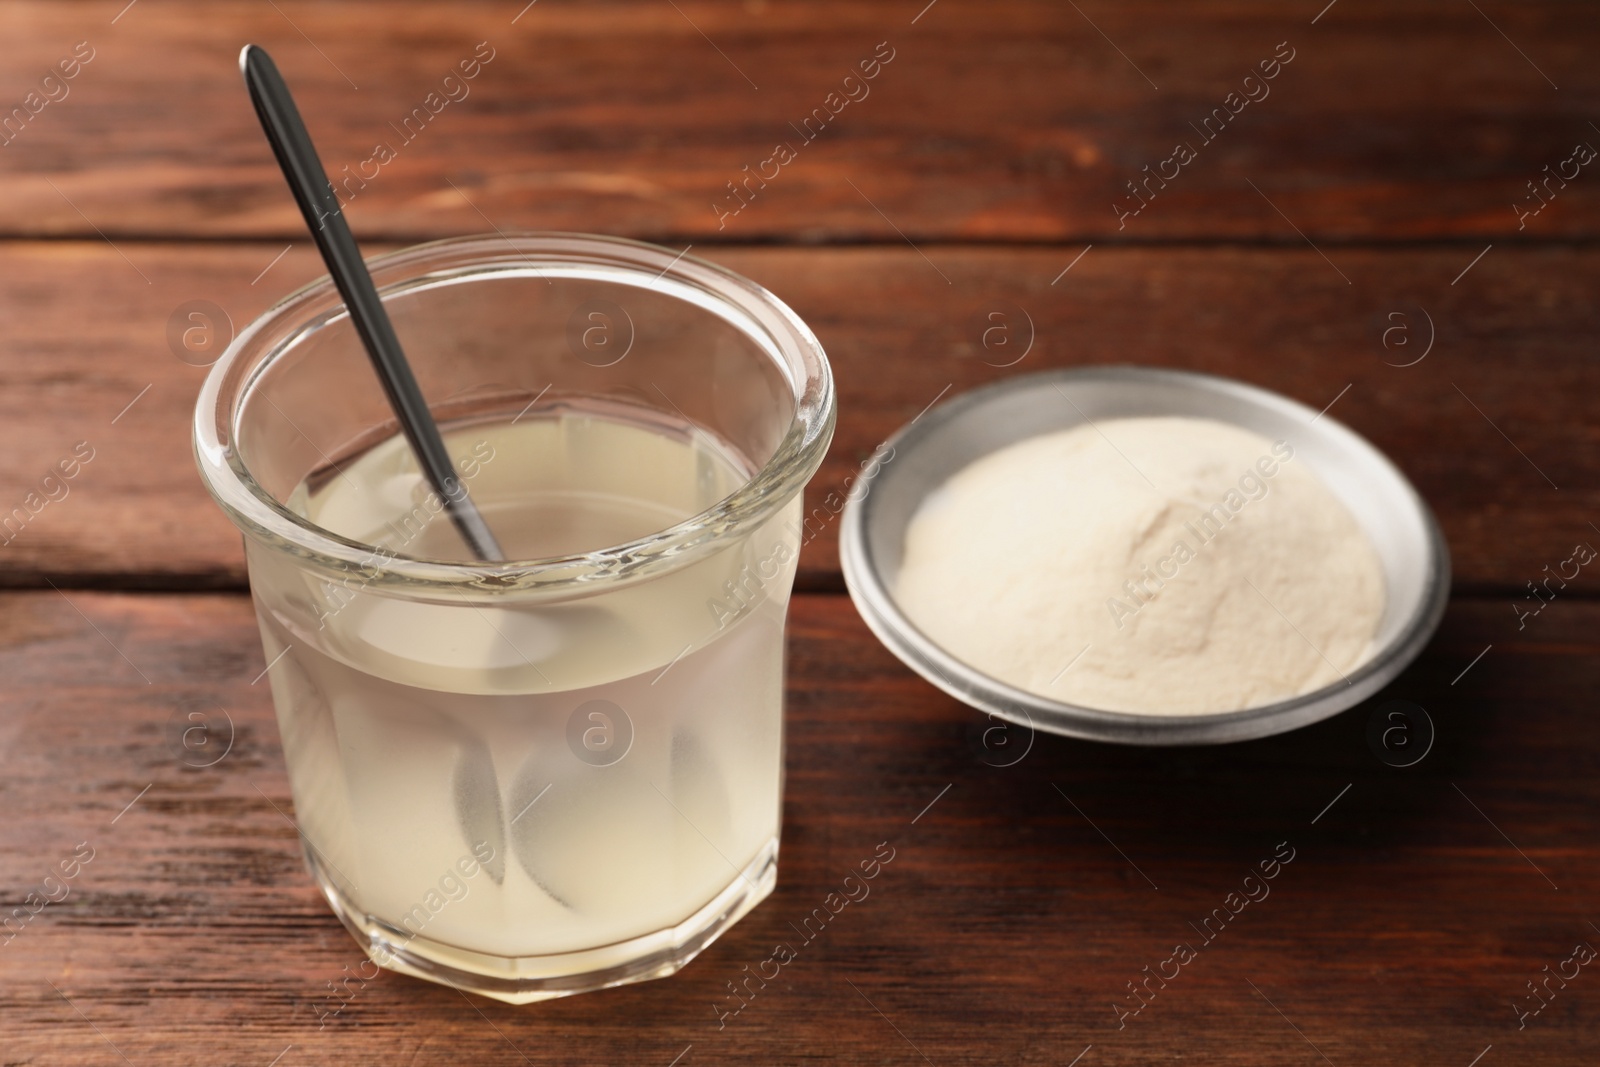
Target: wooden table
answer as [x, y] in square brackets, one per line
[1362, 235]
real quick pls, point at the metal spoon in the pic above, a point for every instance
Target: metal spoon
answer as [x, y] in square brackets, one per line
[280, 119]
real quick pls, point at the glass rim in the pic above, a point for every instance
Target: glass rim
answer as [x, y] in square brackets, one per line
[768, 322]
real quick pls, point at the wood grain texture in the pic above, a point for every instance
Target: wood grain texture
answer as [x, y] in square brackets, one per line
[1020, 900]
[1495, 416]
[1013, 120]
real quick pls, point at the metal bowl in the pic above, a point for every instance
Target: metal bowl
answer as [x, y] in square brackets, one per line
[937, 444]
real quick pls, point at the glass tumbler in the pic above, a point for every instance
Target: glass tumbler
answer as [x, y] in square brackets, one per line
[562, 772]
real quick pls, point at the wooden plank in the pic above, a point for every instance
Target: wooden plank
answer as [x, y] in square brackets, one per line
[1013, 120]
[1499, 405]
[1402, 931]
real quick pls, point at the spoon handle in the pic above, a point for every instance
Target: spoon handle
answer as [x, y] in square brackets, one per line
[280, 119]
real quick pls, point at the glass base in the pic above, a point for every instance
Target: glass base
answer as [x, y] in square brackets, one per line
[525, 979]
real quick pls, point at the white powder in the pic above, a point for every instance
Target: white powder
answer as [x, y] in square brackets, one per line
[1156, 565]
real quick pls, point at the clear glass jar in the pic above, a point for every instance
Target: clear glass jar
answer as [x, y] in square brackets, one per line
[563, 772]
